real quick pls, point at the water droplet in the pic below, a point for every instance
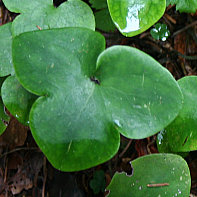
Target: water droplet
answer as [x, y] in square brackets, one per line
[117, 122]
[181, 178]
[179, 191]
[140, 187]
[17, 116]
[145, 106]
[137, 106]
[176, 194]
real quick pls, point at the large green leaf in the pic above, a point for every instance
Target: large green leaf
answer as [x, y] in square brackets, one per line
[85, 100]
[169, 170]
[181, 134]
[17, 100]
[184, 5]
[133, 17]
[6, 66]
[42, 14]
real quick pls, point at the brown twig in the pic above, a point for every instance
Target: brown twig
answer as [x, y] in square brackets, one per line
[125, 149]
[18, 149]
[185, 28]
[158, 185]
[170, 18]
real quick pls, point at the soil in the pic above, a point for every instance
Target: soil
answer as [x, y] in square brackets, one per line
[25, 171]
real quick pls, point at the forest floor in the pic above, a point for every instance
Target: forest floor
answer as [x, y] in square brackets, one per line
[25, 171]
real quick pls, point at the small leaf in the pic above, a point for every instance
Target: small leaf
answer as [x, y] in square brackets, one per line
[160, 32]
[133, 17]
[153, 175]
[98, 4]
[104, 21]
[86, 96]
[4, 118]
[189, 6]
[98, 182]
[17, 100]
[181, 134]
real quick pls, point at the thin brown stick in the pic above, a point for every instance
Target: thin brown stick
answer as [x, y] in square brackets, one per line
[38, 27]
[18, 149]
[170, 18]
[185, 28]
[158, 185]
[125, 149]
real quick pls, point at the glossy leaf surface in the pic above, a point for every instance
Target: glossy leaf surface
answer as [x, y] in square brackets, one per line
[133, 17]
[184, 5]
[181, 134]
[16, 99]
[43, 15]
[167, 169]
[6, 66]
[85, 99]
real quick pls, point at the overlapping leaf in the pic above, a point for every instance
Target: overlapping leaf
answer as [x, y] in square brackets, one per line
[17, 99]
[35, 14]
[167, 170]
[181, 134]
[133, 17]
[85, 100]
[42, 14]
[184, 5]
[4, 118]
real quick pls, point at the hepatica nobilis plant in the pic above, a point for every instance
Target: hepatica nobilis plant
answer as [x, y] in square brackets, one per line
[78, 97]
[89, 95]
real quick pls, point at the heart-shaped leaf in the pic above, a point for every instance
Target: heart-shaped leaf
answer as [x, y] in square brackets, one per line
[133, 17]
[153, 175]
[85, 100]
[43, 15]
[181, 134]
[17, 100]
[6, 66]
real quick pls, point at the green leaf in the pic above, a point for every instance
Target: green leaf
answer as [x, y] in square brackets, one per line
[43, 15]
[16, 99]
[98, 4]
[153, 169]
[85, 99]
[104, 21]
[133, 17]
[6, 66]
[160, 32]
[4, 118]
[188, 6]
[98, 182]
[181, 134]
